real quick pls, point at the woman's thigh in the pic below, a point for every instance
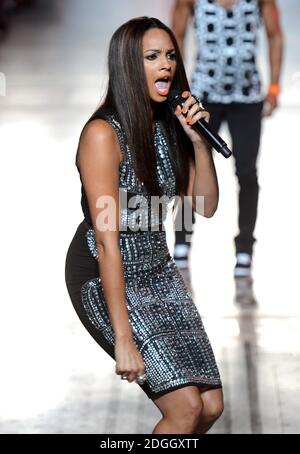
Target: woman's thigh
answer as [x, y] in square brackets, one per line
[179, 402]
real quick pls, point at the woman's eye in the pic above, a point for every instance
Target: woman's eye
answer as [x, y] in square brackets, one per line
[151, 57]
[171, 56]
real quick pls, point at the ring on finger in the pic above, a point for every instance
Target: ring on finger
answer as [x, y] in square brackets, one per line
[141, 378]
[198, 102]
[124, 377]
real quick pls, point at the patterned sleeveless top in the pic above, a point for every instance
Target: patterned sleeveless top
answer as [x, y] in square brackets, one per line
[226, 69]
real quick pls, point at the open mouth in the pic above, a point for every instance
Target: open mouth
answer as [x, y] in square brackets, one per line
[163, 85]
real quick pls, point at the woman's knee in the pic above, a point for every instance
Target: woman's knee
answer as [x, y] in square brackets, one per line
[183, 408]
[213, 409]
[193, 409]
[189, 414]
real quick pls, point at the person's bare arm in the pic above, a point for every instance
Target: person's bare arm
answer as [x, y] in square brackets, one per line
[203, 182]
[99, 158]
[271, 18]
[183, 10]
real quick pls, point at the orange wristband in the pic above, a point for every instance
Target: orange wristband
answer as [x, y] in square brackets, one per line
[274, 89]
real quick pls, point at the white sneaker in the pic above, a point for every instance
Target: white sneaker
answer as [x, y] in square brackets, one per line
[243, 265]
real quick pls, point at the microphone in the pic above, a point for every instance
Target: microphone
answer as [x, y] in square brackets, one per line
[175, 99]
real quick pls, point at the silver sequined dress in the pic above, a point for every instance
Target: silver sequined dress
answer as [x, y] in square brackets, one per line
[166, 325]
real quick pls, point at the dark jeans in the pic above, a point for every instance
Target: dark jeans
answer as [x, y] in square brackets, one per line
[244, 123]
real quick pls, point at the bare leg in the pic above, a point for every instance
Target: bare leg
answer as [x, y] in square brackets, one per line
[180, 409]
[212, 409]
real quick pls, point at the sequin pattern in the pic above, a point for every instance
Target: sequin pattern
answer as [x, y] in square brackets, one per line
[142, 211]
[167, 327]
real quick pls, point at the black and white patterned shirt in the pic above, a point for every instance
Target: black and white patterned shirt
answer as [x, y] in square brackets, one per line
[226, 69]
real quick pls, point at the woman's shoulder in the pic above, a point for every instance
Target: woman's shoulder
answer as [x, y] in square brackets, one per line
[97, 130]
[102, 124]
[98, 137]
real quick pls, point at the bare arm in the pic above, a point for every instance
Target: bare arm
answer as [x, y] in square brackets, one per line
[270, 14]
[203, 182]
[99, 158]
[183, 10]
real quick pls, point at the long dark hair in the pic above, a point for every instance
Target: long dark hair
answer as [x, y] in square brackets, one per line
[128, 98]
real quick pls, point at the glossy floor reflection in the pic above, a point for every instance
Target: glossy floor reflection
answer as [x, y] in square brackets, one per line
[54, 378]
